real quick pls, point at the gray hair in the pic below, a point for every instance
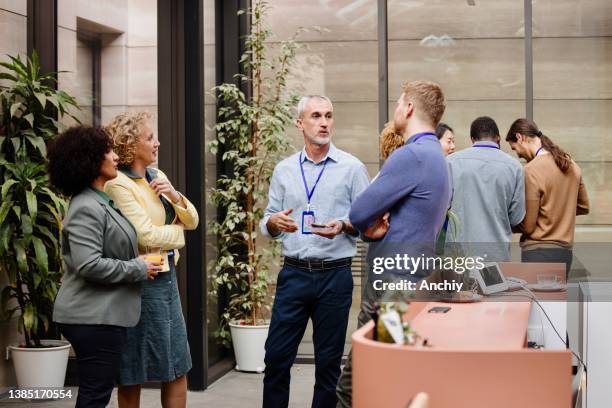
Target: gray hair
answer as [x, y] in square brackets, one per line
[304, 101]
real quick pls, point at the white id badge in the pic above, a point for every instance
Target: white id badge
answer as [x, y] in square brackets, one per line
[308, 217]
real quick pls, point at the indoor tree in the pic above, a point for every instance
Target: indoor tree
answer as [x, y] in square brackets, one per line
[250, 139]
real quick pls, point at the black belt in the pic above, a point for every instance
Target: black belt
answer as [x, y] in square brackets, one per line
[318, 264]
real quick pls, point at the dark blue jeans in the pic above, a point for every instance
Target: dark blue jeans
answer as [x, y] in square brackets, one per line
[301, 294]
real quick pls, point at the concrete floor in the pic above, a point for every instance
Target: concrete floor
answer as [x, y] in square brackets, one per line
[234, 390]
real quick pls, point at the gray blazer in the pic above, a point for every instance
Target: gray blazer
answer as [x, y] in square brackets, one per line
[102, 274]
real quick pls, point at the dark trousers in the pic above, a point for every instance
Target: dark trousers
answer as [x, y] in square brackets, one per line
[344, 389]
[326, 298]
[98, 352]
[561, 255]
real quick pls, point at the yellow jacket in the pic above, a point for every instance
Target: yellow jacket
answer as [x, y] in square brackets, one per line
[142, 207]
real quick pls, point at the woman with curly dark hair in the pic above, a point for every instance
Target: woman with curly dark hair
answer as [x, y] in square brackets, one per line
[100, 293]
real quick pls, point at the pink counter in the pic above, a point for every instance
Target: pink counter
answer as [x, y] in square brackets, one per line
[478, 360]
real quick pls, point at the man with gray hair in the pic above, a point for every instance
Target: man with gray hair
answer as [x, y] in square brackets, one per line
[310, 197]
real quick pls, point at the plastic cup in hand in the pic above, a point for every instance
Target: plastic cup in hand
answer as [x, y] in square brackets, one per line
[154, 255]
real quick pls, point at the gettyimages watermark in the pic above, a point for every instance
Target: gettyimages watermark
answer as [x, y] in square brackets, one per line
[488, 272]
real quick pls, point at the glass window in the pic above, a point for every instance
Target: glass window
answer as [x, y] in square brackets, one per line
[572, 83]
[474, 50]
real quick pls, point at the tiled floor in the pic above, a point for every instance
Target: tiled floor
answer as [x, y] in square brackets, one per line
[234, 390]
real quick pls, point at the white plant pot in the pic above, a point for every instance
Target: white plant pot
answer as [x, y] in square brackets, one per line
[41, 367]
[249, 346]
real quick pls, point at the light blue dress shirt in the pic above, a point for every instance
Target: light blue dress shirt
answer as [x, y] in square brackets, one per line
[488, 199]
[343, 179]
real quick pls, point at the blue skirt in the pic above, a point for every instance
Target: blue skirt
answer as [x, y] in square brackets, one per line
[157, 348]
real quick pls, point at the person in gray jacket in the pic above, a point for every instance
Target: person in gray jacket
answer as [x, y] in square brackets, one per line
[100, 292]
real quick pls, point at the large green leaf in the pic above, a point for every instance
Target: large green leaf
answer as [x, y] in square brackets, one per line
[14, 108]
[30, 118]
[32, 204]
[4, 210]
[41, 254]
[16, 143]
[4, 75]
[38, 143]
[21, 257]
[7, 186]
[53, 239]
[26, 226]
[42, 99]
[29, 317]
[6, 236]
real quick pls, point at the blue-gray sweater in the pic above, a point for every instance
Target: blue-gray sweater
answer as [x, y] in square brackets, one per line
[414, 186]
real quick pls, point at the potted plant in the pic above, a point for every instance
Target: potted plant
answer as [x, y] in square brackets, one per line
[30, 218]
[250, 137]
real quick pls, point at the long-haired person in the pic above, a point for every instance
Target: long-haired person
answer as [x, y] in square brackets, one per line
[157, 347]
[100, 292]
[554, 193]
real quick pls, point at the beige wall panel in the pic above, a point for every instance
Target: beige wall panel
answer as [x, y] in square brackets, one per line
[110, 13]
[373, 169]
[410, 19]
[593, 234]
[209, 132]
[66, 14]
[466, 70]
[84, 79]
[209, 22]
[67, 61]
[581, 127]
[114, 39]
[209, 73]
[114, 76]
[15, 6]
[344, 71]
[13, 36]
[142, 76]
[340, 19]
[571, 18]
[576, 68]
[355, 129]
[597, 178]
[109, 112]
[142, 23]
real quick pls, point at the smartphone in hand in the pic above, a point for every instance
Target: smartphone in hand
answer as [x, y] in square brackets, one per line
[319, 226]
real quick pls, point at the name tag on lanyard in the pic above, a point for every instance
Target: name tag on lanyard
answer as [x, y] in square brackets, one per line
[308, 216]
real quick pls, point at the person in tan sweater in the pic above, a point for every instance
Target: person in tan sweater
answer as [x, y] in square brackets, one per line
[554, 193]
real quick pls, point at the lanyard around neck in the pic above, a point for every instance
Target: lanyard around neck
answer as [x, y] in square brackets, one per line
[309, 193]
[486, 146]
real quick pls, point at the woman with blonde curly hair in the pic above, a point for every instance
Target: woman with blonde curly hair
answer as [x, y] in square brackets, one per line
[157, 348]
[390, 141]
